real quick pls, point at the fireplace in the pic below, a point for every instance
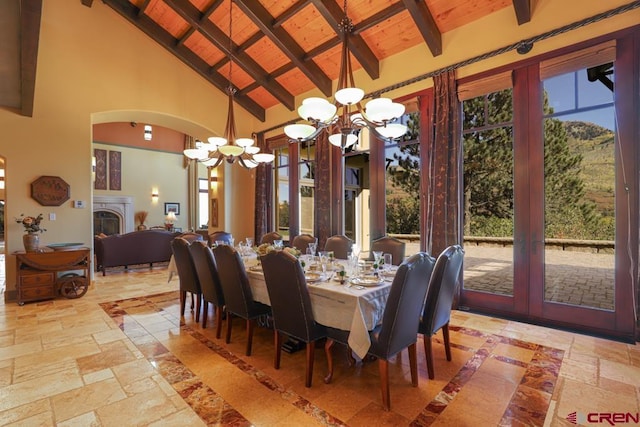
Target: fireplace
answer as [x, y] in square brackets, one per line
[113, 214]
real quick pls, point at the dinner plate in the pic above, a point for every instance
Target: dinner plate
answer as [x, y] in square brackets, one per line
[312, 277]
[366, 281]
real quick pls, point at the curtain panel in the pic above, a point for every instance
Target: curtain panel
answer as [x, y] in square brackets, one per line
[262, 212]
[444, 219]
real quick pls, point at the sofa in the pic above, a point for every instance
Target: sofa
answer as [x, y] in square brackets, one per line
[137, 247]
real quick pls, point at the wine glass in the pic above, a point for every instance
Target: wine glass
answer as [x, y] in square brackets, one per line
[313, 247]
[388, 261]
[249, 242]
[278, 244]
[377, 256]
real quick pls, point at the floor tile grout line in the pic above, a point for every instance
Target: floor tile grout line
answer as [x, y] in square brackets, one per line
[160, 362]
[288, 395]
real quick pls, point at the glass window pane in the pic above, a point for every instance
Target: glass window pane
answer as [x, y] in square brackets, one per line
[488, 194]
[580, 196]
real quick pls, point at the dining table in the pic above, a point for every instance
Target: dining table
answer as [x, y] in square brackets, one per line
[353, 304]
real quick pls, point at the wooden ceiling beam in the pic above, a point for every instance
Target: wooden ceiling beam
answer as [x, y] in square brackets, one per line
[30, 17]
[192, 15]
[332, 12]
[165, 39]
[263, 19]
[290, 12]
[143, 7]
[378, 18]
[523, 11]
[426, 25]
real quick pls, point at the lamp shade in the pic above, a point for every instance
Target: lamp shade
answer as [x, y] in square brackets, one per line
[244, 142]
[263, 157]
[299, 131]
[317, 109]
[349, 95]
[196, 153]
[336, 139]
[230, 150]
[392, 130]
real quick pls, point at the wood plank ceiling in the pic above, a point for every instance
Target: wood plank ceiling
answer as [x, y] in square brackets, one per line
[283, 48]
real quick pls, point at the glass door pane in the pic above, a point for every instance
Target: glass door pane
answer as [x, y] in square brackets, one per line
[579, 144]
[488, 193]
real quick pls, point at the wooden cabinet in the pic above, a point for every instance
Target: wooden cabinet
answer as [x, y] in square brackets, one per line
[45, 275]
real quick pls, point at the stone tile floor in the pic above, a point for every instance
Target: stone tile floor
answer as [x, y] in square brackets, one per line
[121, 355]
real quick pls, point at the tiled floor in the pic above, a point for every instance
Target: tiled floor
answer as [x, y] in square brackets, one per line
[121, 356]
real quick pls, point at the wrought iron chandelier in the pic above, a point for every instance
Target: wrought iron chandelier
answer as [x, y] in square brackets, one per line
[229, 147]
[379, 115]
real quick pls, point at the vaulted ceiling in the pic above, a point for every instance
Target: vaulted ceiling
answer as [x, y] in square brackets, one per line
[281, 49]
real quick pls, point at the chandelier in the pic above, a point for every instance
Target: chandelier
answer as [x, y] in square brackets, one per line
[379, 115]
[229, 147]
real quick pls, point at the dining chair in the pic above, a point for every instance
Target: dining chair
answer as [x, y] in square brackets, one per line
[340, 245]
[270, 237]
[219, 235]
[237, 292]
[437, 307]
[186, 274]
[291, 306]
[207, 272]
[390, 245]
[190, 236]
[301, 242]
[399, 326]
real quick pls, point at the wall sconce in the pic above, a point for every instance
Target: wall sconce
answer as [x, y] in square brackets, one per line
[1, 179]
[154, 196]
[93, 168]
[147, 132]
[214, 179]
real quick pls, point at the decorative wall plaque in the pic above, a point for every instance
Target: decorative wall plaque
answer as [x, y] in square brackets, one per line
[101, 169]
[50, 191]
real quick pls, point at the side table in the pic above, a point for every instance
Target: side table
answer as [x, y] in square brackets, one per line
[39, 274]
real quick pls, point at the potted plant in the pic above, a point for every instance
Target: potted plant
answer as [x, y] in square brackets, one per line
[32, 227]
[141, 217]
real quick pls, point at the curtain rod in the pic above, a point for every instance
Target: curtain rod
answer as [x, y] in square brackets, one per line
[523, 46]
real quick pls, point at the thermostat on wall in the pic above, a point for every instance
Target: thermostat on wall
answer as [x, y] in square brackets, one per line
[78, 204]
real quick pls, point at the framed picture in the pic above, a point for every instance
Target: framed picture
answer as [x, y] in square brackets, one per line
[214, 212]
[172, 207]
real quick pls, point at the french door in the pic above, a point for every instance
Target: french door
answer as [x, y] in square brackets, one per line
[546, 197]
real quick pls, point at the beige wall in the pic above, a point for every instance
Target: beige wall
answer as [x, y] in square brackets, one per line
[144, 171]
[95, 67]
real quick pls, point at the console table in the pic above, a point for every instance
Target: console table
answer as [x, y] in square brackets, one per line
[40, 275]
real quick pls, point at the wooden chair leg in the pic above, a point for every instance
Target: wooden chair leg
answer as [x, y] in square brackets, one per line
[413, 364]
[311, 347]
[428, 352]
[445, 336]
[192, 301]
[229, 320]
[278, 343]
[218, 321]
[249, 336]
[183, 302]
[383, 365]
[198, 306]
[327, 350]
[205, 313]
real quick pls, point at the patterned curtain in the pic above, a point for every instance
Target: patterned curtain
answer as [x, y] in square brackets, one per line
[189, 142]
[263, 193]
[444, 208]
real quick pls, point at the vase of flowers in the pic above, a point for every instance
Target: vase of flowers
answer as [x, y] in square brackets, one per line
[32, 228]
[141, 217]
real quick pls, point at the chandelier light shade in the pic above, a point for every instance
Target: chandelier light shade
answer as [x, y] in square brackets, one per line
[228, 147]
[343, 118]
